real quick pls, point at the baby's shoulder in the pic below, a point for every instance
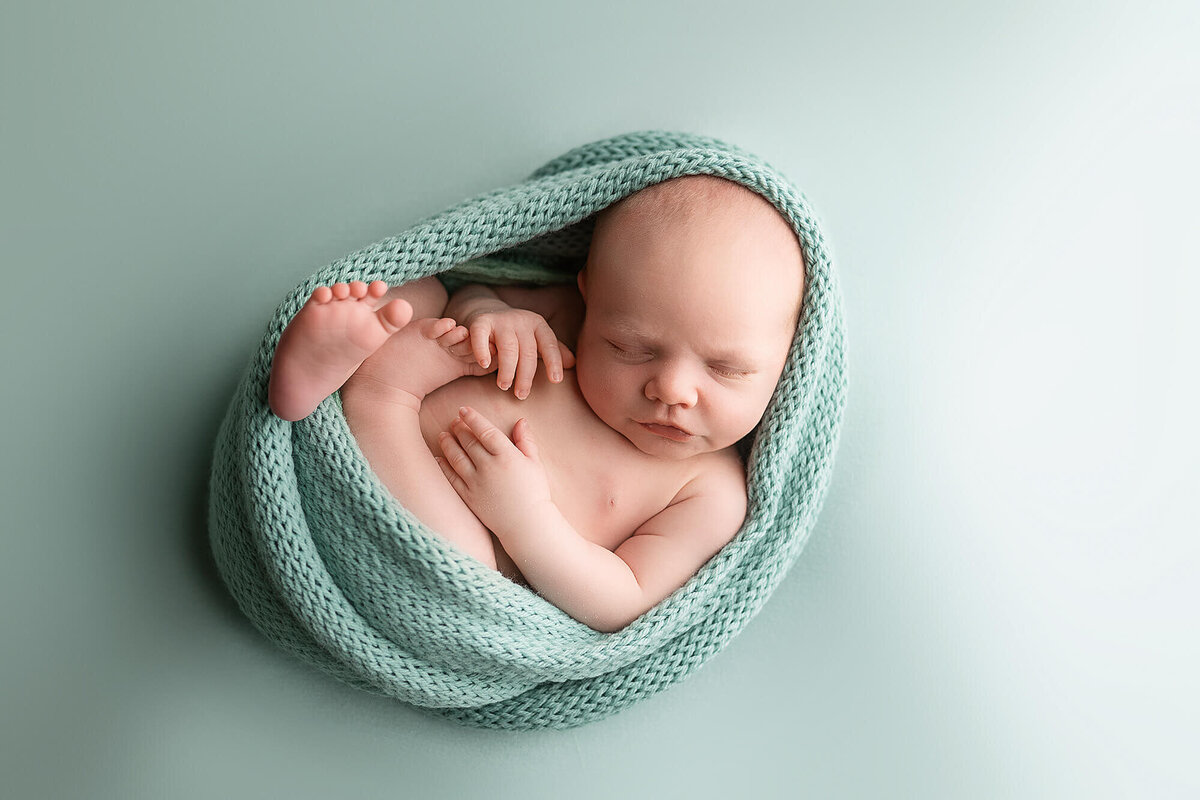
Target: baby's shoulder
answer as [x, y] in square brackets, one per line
[721, 467]
[718, 481]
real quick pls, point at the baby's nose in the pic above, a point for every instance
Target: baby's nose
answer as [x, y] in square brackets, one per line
[672, 387]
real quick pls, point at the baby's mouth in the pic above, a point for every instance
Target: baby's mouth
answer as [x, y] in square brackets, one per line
[667, 431]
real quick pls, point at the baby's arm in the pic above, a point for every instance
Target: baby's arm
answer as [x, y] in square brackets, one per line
[672, 546]
[504, 483]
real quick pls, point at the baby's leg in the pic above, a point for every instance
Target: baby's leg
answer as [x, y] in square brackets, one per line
[382, 403]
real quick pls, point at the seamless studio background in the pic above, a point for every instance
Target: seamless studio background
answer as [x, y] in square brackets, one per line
[999, 598]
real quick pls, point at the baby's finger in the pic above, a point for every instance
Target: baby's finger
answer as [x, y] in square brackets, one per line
[465, 351]
[456, 456]
[454, 348]
[438, 328]
[548, 346]
[507, 352]
[456, 481]
[469, 441]
[568, 358]
[455, 336]
[526, 365]
[481, 342]
[488, 435]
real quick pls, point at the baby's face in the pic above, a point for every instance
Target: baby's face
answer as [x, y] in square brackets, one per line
[688, 324]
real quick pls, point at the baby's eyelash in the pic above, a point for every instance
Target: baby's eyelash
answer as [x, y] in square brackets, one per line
[729, 373]
[622, 350]
[725, 372]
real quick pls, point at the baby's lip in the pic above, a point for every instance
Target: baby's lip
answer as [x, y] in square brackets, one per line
[663, 424]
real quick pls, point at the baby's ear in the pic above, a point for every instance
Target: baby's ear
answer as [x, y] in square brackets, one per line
[581, 280]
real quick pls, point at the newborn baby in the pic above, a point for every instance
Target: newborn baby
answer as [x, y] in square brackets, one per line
[605, 486]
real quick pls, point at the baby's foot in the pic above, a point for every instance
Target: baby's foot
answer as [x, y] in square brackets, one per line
[414, 363]
[335, 331]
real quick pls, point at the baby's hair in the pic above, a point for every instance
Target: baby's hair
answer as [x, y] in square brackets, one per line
[675, 198]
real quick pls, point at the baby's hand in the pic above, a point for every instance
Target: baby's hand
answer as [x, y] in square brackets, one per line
[502, 480]
[511, 338]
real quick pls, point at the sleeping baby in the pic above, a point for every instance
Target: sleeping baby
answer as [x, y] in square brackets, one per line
[599, 465]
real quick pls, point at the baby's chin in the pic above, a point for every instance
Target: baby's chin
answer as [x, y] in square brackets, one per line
[667, 449]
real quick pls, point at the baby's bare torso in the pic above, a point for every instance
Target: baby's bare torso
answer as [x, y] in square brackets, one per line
[603, 485]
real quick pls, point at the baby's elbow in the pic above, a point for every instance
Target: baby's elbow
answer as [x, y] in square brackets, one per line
[612, 625]
[626, 599]
[620, 618]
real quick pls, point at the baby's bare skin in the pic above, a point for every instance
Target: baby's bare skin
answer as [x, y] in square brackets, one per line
[603, 484]
[603, 510]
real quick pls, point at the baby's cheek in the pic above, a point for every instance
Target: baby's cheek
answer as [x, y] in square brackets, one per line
[752, 411]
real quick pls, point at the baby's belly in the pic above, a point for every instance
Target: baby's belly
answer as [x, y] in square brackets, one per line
[604, 486]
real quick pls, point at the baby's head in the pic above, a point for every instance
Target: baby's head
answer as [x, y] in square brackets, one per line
[693, 289]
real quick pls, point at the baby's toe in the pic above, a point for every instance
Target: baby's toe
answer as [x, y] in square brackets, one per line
[341, 291]
[322, 294]
[395, 315]
[358, 290]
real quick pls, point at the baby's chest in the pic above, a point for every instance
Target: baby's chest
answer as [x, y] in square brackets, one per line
[603, 490]
[604, 486]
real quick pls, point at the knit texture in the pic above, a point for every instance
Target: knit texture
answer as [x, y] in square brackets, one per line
[328, 565]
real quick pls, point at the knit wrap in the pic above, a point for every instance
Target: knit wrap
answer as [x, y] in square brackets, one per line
[327, 564]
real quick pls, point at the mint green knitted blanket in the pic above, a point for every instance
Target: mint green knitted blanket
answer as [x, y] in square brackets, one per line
[328, 565]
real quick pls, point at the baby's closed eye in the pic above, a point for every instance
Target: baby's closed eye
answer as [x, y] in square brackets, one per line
[729, 372]
[634, 353]
[626, 352]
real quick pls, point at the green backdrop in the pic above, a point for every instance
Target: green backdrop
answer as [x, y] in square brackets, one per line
[999, 597]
